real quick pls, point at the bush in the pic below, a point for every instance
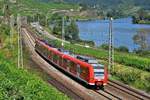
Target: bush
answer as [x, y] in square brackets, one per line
[122, 49]
[142, 53]
[132, 76]
[104, 46]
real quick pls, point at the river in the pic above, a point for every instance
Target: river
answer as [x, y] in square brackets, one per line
[123, 31]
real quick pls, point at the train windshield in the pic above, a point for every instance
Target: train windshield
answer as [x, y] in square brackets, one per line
[98, 70]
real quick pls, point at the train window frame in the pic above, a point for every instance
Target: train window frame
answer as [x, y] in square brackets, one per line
[68, 63]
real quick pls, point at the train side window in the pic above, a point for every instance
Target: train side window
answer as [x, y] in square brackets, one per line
[85, 71]
[49, 53]
[55, 57]
[46, 51]
[78, 69]
[52, 56]
[58, 59]
[65, 61]
[71, 64]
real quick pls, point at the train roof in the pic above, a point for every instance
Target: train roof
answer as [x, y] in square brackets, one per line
[87, 59]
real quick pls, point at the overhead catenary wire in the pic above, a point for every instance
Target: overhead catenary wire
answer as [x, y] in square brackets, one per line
[63, 32]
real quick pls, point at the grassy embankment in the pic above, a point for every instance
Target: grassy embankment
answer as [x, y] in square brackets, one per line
[19, 83]
[143, 22]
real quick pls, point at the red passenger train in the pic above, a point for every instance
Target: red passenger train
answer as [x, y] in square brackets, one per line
[86, 69]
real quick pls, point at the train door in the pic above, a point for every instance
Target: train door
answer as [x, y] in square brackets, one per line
[52, 56]
[61, 61]
[49, 54]
[78, 70]
[64, 63]
[68, 67]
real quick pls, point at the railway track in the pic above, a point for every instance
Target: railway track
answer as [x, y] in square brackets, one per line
[107, 95]
[51, 80]
[126, 91]
[60, 81]
[118, 91]
[113, 91]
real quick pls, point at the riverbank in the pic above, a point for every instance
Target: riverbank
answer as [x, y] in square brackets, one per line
[123, 32]
[143, 22]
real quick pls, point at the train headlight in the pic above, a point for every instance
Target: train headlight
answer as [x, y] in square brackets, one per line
[99, 83]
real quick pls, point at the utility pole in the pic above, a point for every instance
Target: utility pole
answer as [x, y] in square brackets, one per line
[111, 49]
[20, 51]
[63, 32]
[6, 11]
[11, 30]
[4, 7]
[46, 19]
[18, 28]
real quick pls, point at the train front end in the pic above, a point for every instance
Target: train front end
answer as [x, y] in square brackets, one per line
[100, 75]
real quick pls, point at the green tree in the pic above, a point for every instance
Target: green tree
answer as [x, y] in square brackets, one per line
[104, 46]
[72, 31]
[56, 22]
[141, 38]
[123, 49]
[57, 28]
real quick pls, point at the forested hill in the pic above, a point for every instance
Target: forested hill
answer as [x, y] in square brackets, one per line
[107, 3]
[115, 8]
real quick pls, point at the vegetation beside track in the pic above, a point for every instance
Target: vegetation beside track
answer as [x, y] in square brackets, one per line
[132, 76]
[17, 83]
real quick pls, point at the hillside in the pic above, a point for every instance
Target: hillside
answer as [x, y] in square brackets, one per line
[117, 8]
[105, 3]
